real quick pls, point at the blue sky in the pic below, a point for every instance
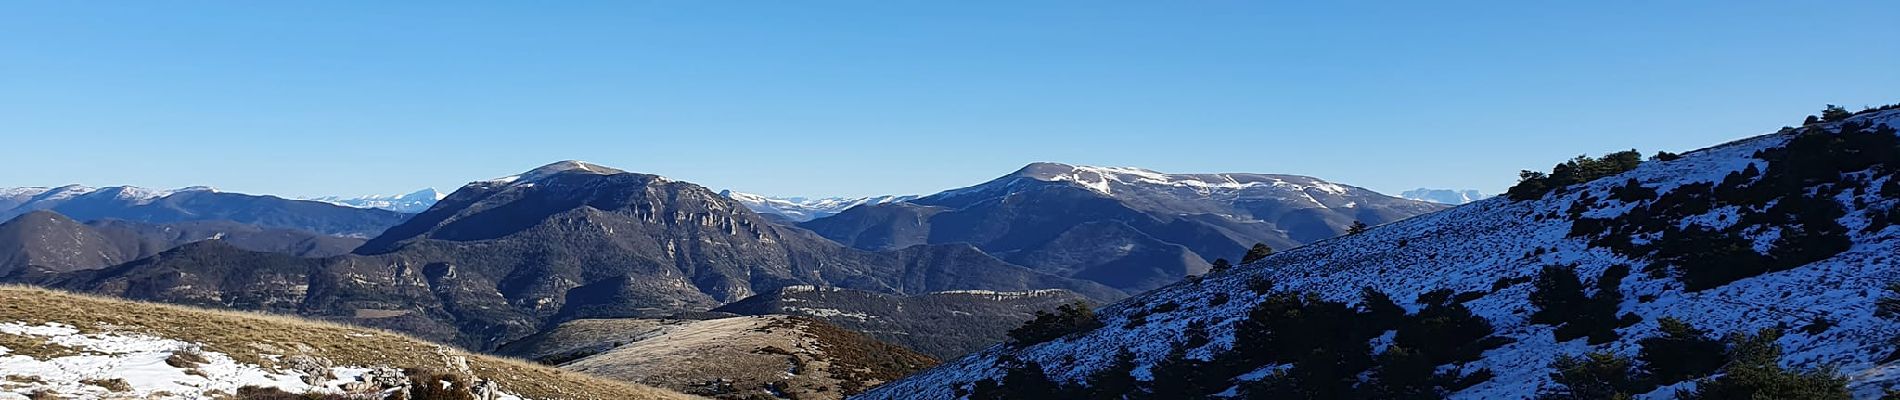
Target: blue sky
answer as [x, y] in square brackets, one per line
[860, 98]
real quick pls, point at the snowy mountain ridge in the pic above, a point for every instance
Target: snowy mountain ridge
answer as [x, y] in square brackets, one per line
[1141, 186]
[801, 209]
[140, 195]
[414, 202]
[1492, 246]
[1444, 196]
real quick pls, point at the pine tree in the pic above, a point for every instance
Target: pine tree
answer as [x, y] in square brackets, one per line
[1592, 376]
[1357, 227]
[1258, 252]
[1378, 309]
[1835, 113]
[1557, 294]
[1754, 371]
[1115, 381]
[1220, 265]
[1680, 353]
[1178, 376]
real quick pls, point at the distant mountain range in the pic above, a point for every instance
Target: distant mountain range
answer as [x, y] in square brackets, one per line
[500, 259]
[1128, 228]
[1444, 196]
[42, 242]
[414, 202]
[800, 209]
[130, 203]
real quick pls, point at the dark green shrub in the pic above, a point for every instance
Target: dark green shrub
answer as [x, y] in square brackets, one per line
[1066, 320]
[1754, 372]
[1680, 353]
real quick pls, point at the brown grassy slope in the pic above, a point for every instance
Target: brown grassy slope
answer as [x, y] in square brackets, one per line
[727, 358]
[247, 337]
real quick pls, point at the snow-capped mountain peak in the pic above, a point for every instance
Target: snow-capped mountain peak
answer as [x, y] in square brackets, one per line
[538, 174]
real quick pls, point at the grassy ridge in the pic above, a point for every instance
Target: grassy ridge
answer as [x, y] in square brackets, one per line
[248, 337]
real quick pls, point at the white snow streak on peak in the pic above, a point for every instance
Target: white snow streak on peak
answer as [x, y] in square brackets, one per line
[556, 168]
[1102, 179]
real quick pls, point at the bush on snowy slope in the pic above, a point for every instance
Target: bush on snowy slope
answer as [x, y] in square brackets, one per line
[1319, 349]
[1803, 245]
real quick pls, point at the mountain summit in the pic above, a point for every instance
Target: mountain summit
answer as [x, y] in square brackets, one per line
[1129, 228]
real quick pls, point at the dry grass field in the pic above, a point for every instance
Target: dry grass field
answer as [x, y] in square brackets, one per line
[265, 340]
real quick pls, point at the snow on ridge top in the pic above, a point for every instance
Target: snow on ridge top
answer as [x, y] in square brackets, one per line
[1025, 293]
[133, 193]
[805, 209]
[1103, 179]
[413, 202]
[552, 169]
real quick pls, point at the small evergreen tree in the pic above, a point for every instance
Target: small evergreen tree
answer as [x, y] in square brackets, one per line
[1556, 294]
[1220, 265]
[1680, 353]
[1258, 252]
[1068, 319]
[1402, 373]
[1835, 113]
[1178, 376]
[1754, 372]
[1115, 381]
[1591, 377]
[1378, 309]
[1357, 227]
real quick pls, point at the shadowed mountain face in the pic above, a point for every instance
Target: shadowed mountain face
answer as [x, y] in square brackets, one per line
[197, 204]
[501, 259]
[1128, 228]
[41, 242]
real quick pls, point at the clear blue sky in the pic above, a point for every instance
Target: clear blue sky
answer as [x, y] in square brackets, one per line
[872, 97]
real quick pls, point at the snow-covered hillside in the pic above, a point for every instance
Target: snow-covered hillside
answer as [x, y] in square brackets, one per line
[1489, 249]
[801, 209]
[412, 203]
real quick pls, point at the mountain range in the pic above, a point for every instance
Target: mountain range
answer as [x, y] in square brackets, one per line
[411, 203]
[1128, 228]
[801, 209]
[137, 204]
[500, 259]
[1773, 253]
[42, 242]
[1764, 265]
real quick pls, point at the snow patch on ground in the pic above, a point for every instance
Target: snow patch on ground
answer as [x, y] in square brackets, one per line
[140, 360]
